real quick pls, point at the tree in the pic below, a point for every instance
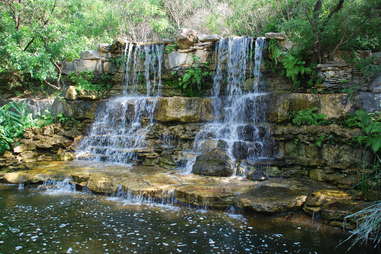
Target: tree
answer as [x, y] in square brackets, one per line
[37, 35]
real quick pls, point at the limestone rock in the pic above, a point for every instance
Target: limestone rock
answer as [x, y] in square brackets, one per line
[71, 93]
[208, 37]
[176, 59]
[20, 148]
[332, 205]
[82, 65]
[211, 144]
[276, 36]
[104, 48]
[184, 109]
[214, 163]
[332, 105]
[186, 38]
[74, 108]
[90, 55]
[15, 178]
[275, 196]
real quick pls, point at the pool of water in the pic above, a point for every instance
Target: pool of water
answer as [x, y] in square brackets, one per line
[38, 221]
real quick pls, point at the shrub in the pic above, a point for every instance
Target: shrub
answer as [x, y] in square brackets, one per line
[14, 119]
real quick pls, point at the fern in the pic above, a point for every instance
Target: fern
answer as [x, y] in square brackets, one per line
[308, 117]
[370, 127]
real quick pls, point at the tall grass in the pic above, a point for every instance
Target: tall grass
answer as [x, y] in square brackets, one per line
[368, 230]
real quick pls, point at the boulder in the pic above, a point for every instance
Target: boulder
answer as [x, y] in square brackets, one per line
[211, 144]
[71, 93]
[186, 38]
[241, 150]
[213, 163]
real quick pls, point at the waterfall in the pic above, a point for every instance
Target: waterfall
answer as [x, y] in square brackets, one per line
[238, 96]
[121, 123]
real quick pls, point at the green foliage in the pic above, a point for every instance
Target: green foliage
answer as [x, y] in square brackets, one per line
[368, 226]
[308, 117]
[368, 67]
[294, 68]
[193, 80]
[48, 118]
[170, 48]
[36, 35]
[14, 119]
[370, 127]
[117, 61]
[320, 140]
[87, 81]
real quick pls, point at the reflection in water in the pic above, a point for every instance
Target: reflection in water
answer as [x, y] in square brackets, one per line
[34, 222]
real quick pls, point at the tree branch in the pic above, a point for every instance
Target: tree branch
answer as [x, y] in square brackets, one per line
[43, 25]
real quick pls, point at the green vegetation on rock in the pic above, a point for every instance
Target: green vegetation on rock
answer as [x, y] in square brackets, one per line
[15, 118]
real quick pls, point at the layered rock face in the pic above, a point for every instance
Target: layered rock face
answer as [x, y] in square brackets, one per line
[178, 119]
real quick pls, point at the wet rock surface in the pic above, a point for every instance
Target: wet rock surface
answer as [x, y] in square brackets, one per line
[213, 163]
[271, 196]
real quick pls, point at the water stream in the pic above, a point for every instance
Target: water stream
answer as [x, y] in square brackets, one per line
[122, 123]
[34, 221]
[238, 101]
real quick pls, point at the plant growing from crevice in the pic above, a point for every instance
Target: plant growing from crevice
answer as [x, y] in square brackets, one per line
[308, 117]
[294, 68]
[170, 48]
[370, 127]
[88, 81]
[193, 80]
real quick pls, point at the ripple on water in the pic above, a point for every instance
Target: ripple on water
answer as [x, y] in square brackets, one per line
[42, 223]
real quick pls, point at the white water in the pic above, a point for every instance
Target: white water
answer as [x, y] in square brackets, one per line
[128, 198]
[238, 104]
[121, 123]
[55, 187]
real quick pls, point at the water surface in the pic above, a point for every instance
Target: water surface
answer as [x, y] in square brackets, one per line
[37, 221]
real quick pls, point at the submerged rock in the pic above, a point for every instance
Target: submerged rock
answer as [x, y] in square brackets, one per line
[213, 163]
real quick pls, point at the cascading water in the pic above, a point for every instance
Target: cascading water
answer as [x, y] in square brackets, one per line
[238, 103]
[122, 123]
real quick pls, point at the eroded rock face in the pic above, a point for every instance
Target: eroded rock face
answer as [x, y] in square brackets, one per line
[213, 163]
[331, 105]
[184, 109]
